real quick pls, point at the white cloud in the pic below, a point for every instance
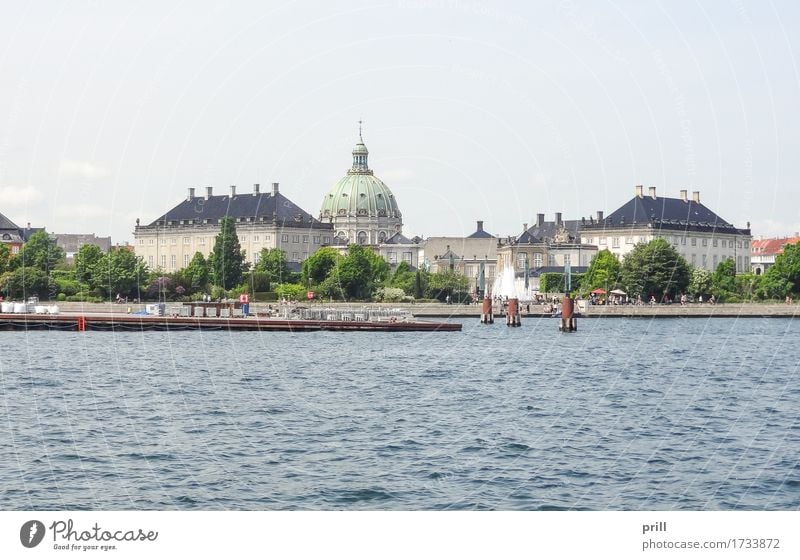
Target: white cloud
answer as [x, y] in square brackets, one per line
[82, 169]
[13, 196]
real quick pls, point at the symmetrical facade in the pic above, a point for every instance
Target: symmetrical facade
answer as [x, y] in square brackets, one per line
[698, 234]
[465, 255]
[360, 207]
[263, 221]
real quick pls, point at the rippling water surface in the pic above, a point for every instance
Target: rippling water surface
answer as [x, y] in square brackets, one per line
[624, 414]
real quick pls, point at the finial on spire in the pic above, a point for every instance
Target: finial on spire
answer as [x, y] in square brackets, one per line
[359, 130]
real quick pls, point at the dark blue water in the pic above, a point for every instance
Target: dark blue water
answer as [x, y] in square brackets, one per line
[625, 414]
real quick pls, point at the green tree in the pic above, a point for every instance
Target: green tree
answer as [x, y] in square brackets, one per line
[290, 291]
[120, 272]
[273, 262]
[747, 285]
[85, 262]
[41, 252]
[5, 258]
[419, 286]
[783, 278]
[723, 281]
[447, 283]
[654, 268]
[24, 282]
[700, 282]
[360, 273]
[603, 272]
[226, 261]
[318, 266]
[196, 273]
[405, 279]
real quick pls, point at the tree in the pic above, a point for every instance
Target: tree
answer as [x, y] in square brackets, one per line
[24, 282]
[419, 288]
[226, 260]
[447, 283]
[783, 278]
[318, 266]
[85, 262]
[40, 251]
[360, 273]
[273, 262]
[5, 258]
[723, 281]
[404, 278]
[196, 273]
[700, 283]
[603, 272]
[290, 291]
[120, 272]
[654, 268]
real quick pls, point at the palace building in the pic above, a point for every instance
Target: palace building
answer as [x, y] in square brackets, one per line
[264, 220]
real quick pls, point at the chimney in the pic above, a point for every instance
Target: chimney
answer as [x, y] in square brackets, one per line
[639, 191]
[540, 220]
[651, 191]
[696, 196]
[480, 225]
[599, 216]
[558, 218]
[524, 228]
[683, 195]
[256, 189]
[191, 194]
[274, 189]
[208, 192]
[233, 191]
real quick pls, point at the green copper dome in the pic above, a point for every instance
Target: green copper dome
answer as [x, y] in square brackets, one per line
[359, 193]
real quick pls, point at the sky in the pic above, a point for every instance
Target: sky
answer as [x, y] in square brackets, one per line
[493, 111]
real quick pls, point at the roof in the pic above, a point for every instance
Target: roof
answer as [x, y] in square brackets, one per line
[270, 207]
[565, 231]
[665, 213]
[72, 242]
[399, 239]
[5, 223]
[772, 246]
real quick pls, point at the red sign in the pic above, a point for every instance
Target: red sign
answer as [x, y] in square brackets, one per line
[310, 295]
[244, 298]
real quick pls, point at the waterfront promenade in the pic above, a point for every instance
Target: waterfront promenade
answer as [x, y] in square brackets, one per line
[473, 311]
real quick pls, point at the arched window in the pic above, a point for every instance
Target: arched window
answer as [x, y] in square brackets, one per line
[362, 237]
[382, 237]
[340, 235]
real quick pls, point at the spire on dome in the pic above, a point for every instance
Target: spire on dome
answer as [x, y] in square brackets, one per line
[360, 154]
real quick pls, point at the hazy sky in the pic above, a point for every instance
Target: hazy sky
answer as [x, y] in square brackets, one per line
[472, 110]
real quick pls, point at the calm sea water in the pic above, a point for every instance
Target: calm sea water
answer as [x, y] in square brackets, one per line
[625, 414]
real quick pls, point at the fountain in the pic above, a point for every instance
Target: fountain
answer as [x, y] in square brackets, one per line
[507, 285]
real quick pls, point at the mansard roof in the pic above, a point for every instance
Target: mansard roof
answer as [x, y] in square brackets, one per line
[398, 239]
[270, 207]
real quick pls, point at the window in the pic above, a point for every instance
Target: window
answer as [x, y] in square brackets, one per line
[740, 244]
[739, 263]
[714, 242]
[674, 239]
[150, 241]
[315, 240]
[715, 262]
[642, 239]
[163, 241]
[305, 256]
[615, 242]
[185, 260]
[326, 239]
[683, 241]
[551, 260]
[392, 257]
[705, 260]
[185, 240]
[15, 249]
[255, 238]
[407, 257]
[285, 238]
[602, 241]
[381, 237]
[173, 241]
[362, 237]
[295, 256]
[522, 260]
[568, 260]
[202, 241]
[150, 261]
[295, 239]
[257, 258]
[141, 241]
[172, 261]
[537, 260]
[694, 242]
[267, 237]
[469, 270]
[724, 244]
[705, 242]
[305, 239]
[163, 261]
[243, 238]
[629, 241]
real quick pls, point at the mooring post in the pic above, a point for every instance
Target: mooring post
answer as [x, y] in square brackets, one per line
[512, 317]
[568, 323]
[487, 315]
